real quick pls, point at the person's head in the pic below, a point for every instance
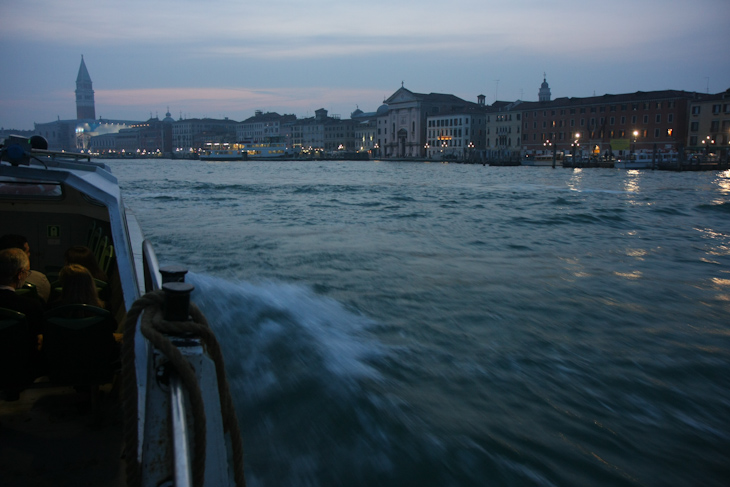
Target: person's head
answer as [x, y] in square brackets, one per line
[14, 267]
[81, 255]
[11, 241]
[78, 286]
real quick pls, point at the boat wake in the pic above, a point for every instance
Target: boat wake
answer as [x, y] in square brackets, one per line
[254, 320]
[299, 365]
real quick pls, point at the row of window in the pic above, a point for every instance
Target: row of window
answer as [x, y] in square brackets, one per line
[602, 121]
[716, 109]
[448, 122]
[601, 134]
[714, 126]
[506, 118]
[612, 108]
[500, 142]
[448, 132]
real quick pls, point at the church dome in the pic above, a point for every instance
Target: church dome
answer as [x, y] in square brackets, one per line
[382, 110]
[168, 117]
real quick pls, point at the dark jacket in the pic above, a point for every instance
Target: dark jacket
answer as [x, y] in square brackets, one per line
[31, 307]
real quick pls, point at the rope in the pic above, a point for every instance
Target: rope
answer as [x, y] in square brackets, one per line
[155, 328]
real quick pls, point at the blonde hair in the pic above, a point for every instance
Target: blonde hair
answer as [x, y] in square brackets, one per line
[78, 286]
[12, 261]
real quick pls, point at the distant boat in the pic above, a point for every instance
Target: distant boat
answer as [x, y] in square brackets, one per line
[644, 160]
[222, 155]
[542, 159]
[265, 150]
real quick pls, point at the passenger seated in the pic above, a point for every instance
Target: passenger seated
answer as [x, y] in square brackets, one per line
[19, 346]
[78, 287]
[14, 270]
[81, 255]
[38, 279]
[75, 351]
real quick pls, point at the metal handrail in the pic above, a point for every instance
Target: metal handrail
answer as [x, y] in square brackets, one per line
[151, 267]
[180, 441]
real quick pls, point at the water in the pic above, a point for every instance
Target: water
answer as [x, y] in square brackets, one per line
[414, 324]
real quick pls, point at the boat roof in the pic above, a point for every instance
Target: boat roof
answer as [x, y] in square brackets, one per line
[96, 181]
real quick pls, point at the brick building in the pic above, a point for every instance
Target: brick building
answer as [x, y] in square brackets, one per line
[608, 124]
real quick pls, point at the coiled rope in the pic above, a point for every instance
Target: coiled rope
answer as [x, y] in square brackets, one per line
[155, 329]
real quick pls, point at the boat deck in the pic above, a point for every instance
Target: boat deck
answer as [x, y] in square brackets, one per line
[50, 437]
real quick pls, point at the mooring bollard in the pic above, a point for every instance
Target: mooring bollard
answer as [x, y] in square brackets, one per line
[173, 273]
[177, 301]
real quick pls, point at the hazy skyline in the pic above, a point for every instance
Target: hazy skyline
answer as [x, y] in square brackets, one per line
[226, 59]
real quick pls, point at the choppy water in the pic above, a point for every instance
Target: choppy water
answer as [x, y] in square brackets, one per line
[413, 324]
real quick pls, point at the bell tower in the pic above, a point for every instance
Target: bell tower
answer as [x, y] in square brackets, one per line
[544, 93]
[84, 94]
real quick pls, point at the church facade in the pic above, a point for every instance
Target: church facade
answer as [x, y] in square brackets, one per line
[402, 127]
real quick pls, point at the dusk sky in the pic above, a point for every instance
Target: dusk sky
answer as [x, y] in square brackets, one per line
[224, 58]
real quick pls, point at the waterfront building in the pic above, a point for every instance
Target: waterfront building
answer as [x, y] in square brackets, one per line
[60, 134]
[503, 131]
[402, 128]
[314, 135]
[339, 136]
[76, 135]
[153, 137]
[459, 133]
[365, 126]
[85, 109]
[709, 124]
[192, 135]
[608, 125]
[308, 133]
[263, 127]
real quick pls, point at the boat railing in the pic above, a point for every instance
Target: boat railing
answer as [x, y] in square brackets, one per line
[179, 393]
[151, 267]
[178, 410]
[180, 446]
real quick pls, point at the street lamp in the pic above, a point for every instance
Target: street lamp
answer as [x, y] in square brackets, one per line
[707, 142]
[574, 146]
[427, 147]
[633, 146]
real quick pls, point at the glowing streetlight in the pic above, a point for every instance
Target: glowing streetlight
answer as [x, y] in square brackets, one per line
[573, 147]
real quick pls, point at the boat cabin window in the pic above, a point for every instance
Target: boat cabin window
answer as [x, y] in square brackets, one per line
[15, 188]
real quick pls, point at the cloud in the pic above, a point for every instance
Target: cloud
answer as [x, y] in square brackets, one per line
[236, 103]
[292, 29]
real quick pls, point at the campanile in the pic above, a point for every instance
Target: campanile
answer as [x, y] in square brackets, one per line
[84, 94]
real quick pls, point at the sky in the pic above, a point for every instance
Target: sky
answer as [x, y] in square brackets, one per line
[228, 58]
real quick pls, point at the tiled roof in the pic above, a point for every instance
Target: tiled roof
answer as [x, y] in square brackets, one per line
[608, 99]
